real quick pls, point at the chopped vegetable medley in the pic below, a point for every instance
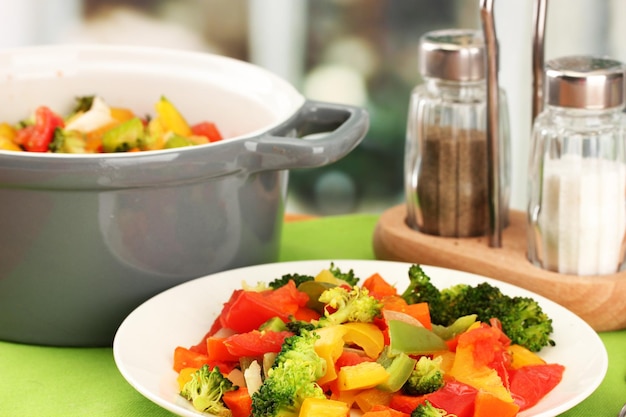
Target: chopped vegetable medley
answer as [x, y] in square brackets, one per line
[95, 127]
[324, 345]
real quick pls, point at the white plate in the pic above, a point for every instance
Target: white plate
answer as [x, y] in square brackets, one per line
[144, 344]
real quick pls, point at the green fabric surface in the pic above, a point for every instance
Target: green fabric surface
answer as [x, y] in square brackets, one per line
[40, 381]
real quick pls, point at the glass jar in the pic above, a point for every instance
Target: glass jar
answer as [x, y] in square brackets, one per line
[446, 159]
[577, 199]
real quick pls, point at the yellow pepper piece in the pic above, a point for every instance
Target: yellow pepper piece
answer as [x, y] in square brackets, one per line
[7, 131]
[346, 397]
[368, 398]
[361, 376]
[120, 114]
[520, 357]
[365, 335]
[447, 359]
[480, 377]
[320, 407]
[8, 145]
[7, 134]
[184, 376]
[171, 119]
[329, 347]
[326, 276]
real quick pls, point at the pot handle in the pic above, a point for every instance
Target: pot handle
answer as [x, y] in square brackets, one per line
[318, 134]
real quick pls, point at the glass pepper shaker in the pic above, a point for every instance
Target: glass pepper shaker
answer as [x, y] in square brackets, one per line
[577, 200]
[446, 155]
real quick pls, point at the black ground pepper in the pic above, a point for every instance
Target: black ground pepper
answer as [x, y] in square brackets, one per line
[452, 189]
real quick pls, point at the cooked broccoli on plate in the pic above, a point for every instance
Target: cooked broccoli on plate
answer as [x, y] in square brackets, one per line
[522, 318]
[291, 379]
[205, 390]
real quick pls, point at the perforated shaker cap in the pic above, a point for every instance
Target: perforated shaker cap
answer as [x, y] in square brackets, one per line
[585, 82]
[453, 55]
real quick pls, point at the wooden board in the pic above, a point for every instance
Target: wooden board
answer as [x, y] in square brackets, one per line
[600, 300]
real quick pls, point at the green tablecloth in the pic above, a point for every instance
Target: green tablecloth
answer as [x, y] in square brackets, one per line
[40, 381]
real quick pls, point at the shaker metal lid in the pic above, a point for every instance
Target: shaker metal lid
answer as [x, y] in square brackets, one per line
[585, 82]
[453, 54]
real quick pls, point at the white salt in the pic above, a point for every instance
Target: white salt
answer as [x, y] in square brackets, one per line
[583, 215]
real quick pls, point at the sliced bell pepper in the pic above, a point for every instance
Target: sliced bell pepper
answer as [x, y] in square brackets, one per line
[488, 405]
[177, 141]
[367, 399]
[255, 343]
[7, 138]
[531, 383]
[365, 335]
[378, 287]
[384, 411]
[418, 311]
[171, 119]
[406, 403]
[477, 351]
[238, 402]
[8, 145]
[321, 407]
[207, 129]
[521, 356]
[37, 137]
[184, 376]
[399, 367]
[306, 314]
[362, 376]
[349, 358]
[186, 358]
[329, 346]
[217, 350]
[413, 340]
[455, 397]
[247, 310]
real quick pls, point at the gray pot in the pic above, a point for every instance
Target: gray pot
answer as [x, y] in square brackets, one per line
[84, 239]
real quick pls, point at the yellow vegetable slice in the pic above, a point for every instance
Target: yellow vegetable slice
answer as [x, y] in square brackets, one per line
[329, 347]
[365, 335]
[184, 376]
[7, 134]
[320, 407]
[326, 276]
[520, 357]
[171, 119]
[481, 377]
[361, 376]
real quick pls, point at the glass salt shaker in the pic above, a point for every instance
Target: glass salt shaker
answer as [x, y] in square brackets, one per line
[446, 160]
[577, 199]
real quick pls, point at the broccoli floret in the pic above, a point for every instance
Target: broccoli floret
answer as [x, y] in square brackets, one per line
[483, 298]
[284, 280]
[83, 104]
[428, 410]
[67, 141]
[349, 305]
[426, 377]
[205, 390]
[291, 379]
[421, 289]
[348, 277]
[522, 318]
[526, 324]
[297, 326]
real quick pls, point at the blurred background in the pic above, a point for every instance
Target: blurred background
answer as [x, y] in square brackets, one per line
[361, 52]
